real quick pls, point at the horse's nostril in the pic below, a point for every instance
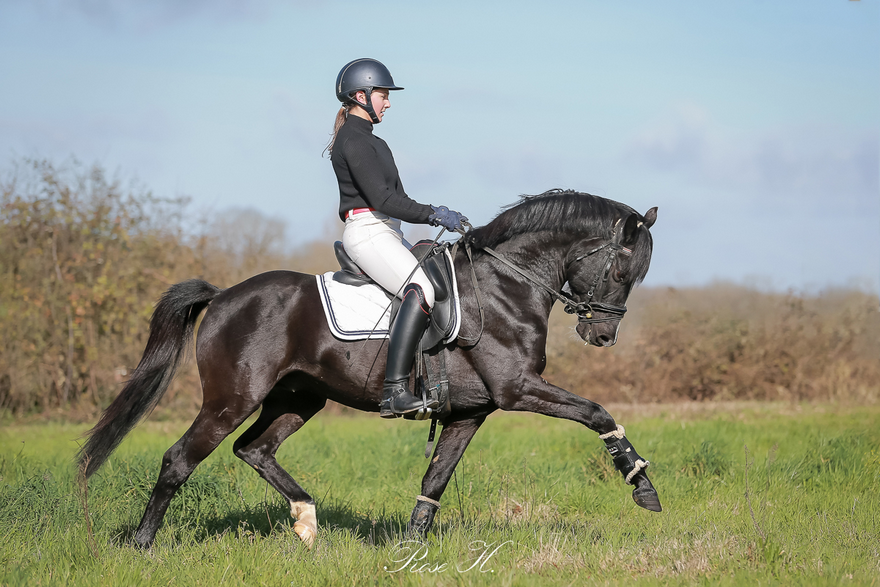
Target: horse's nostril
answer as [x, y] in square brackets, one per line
[603, 339]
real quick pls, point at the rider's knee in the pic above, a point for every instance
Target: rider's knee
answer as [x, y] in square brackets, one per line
[427, 288]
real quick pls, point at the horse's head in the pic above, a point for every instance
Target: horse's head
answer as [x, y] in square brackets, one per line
[602, 271]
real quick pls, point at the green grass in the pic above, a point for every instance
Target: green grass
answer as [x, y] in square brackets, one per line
[797, 507]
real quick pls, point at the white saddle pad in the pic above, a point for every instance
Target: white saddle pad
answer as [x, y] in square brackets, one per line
[354, 312]
[358, 312]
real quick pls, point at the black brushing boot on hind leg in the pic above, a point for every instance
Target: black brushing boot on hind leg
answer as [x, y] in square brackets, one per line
[407, 330]
[632, 467]
[422, 517]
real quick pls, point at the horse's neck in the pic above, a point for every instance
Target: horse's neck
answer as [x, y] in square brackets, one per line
[542, 255]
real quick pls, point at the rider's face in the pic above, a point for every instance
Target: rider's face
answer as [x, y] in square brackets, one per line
[379, 98]
[381, 103]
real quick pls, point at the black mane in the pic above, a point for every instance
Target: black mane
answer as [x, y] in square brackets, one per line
[562, 211]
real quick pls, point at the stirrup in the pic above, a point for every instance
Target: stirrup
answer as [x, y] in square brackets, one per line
[399, 401]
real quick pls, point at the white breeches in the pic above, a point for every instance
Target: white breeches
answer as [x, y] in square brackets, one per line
[374, 241]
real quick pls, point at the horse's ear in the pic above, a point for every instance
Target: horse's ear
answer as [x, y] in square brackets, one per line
[651, 217]
[630, 228]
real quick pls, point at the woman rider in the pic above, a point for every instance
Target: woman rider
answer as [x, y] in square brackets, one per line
[372, 204]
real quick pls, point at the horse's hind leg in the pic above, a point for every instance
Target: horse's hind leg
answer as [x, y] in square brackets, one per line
[208, 430]
[284, 412]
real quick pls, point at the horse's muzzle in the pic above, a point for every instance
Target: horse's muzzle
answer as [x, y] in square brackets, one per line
[602, 335]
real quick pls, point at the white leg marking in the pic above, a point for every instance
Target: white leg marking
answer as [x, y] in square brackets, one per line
[306, 526]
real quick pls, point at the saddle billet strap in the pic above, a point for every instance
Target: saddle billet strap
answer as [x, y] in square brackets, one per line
[436, 381]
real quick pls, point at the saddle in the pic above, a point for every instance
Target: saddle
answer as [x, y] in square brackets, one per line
[439, 271]
[442, 324]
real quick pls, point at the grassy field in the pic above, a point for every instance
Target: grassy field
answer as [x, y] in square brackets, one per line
[753, 494]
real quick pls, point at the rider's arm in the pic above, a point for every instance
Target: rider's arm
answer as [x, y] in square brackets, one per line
[372, 169]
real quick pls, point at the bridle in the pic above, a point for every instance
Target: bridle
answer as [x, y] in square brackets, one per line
[584, 310]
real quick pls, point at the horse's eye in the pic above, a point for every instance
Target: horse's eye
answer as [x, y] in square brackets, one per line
[619, 275]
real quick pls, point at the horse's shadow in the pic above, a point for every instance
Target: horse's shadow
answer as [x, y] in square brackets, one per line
[267, 519]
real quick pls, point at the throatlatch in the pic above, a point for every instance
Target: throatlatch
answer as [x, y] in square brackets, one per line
[625, 457]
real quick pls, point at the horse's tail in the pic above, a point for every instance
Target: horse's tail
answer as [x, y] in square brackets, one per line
[171, 330]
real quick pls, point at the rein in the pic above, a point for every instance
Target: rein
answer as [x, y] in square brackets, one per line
[583, 310]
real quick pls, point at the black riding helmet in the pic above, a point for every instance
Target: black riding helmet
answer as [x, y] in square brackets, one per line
[363, 75]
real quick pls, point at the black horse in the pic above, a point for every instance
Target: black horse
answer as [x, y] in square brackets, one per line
[265, 342]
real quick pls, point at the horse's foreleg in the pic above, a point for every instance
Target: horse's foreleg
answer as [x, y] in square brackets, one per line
[206, 433]
[536, 395]
[632, 467]
[454, 439]
[283, 414]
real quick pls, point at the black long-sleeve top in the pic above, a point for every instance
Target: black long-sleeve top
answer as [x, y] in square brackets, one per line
[368, 176]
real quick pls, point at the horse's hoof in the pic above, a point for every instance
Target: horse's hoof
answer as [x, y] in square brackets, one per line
[306, 533]
[647, 498]
[306, 526]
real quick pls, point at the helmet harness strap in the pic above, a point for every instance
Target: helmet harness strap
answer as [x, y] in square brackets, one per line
[368, 107]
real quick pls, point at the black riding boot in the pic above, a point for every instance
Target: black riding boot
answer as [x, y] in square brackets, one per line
[408, 327]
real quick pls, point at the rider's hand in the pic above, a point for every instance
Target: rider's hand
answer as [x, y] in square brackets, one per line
[448, 219]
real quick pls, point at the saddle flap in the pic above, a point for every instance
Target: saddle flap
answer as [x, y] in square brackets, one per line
[438, 268]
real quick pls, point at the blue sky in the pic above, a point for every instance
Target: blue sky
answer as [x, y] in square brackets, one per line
[753, 125]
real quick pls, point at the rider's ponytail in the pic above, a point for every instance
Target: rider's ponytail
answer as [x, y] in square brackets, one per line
[340, 120]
